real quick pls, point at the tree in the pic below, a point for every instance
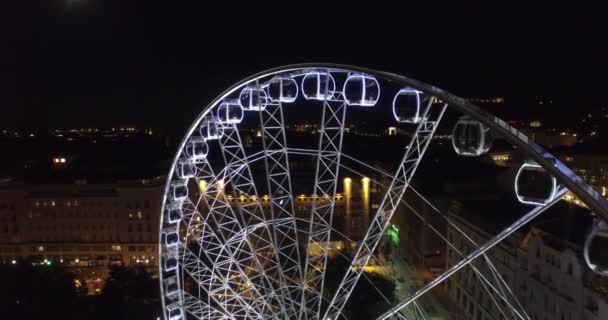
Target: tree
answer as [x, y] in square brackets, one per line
[38, 292]
[130, 293]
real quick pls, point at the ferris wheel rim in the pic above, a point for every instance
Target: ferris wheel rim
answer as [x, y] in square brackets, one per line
[564, 176]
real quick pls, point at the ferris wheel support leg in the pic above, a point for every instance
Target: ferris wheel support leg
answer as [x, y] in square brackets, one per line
[406, 170]
[276, 164]
[477, 253]
[326, 177]
[260, 241]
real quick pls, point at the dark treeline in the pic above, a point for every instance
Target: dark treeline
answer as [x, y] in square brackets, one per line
[48, 292]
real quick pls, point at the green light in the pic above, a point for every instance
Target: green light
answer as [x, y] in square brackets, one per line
[393, 234]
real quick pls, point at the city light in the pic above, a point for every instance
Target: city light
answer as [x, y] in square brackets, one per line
[348, 186]
[365, 185]
[202, 185]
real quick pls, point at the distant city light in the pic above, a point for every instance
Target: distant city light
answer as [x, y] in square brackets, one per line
[202, 185]
[365, 186]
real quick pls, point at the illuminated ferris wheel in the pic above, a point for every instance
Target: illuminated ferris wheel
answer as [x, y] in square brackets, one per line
[258, 201]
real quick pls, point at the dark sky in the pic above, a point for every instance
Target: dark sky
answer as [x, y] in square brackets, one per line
[93, 62]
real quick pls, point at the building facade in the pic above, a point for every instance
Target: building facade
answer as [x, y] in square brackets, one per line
[544, 270]
[81, 224]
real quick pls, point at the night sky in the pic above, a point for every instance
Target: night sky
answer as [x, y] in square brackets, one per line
[77, 63]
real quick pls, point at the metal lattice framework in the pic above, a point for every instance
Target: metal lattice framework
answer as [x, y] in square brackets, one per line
[238, 242]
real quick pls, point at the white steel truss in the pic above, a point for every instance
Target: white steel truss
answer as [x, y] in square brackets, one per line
[261, 247]
[406, 170]
[228, 253]
[331, 134]
[232, 282]
[276, 163]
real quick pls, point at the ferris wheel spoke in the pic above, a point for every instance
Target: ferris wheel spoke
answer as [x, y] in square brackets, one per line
[415, 150]
[326, 175]
[500, 282]
[261, 242]
[478, 252]
[487, 285]
[490, 288]
[276, 164]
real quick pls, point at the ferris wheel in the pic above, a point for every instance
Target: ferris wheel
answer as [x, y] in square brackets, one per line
[259, 199]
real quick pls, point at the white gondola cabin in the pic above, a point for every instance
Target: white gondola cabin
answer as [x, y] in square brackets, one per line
[170, 261]
[230, 112]
[595, 253]
[171, 237]
[361, 90]
[196, 148]
[173, 214]
[253, 99]
[170, 286]
[409, 105]
[210, 130]
[470, 137]
[534, 185]
[318, 85]
[174, 312]
[185, 169]
[178, 190]
[282, 89]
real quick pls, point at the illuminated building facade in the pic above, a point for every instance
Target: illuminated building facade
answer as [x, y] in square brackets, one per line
[545, 266]
[95, 225]
[81, 224]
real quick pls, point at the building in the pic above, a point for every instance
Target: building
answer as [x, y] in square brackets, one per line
[91, 224]
[543, 266]
[81, 224]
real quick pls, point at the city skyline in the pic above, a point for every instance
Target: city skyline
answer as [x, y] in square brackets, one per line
[71, 62]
